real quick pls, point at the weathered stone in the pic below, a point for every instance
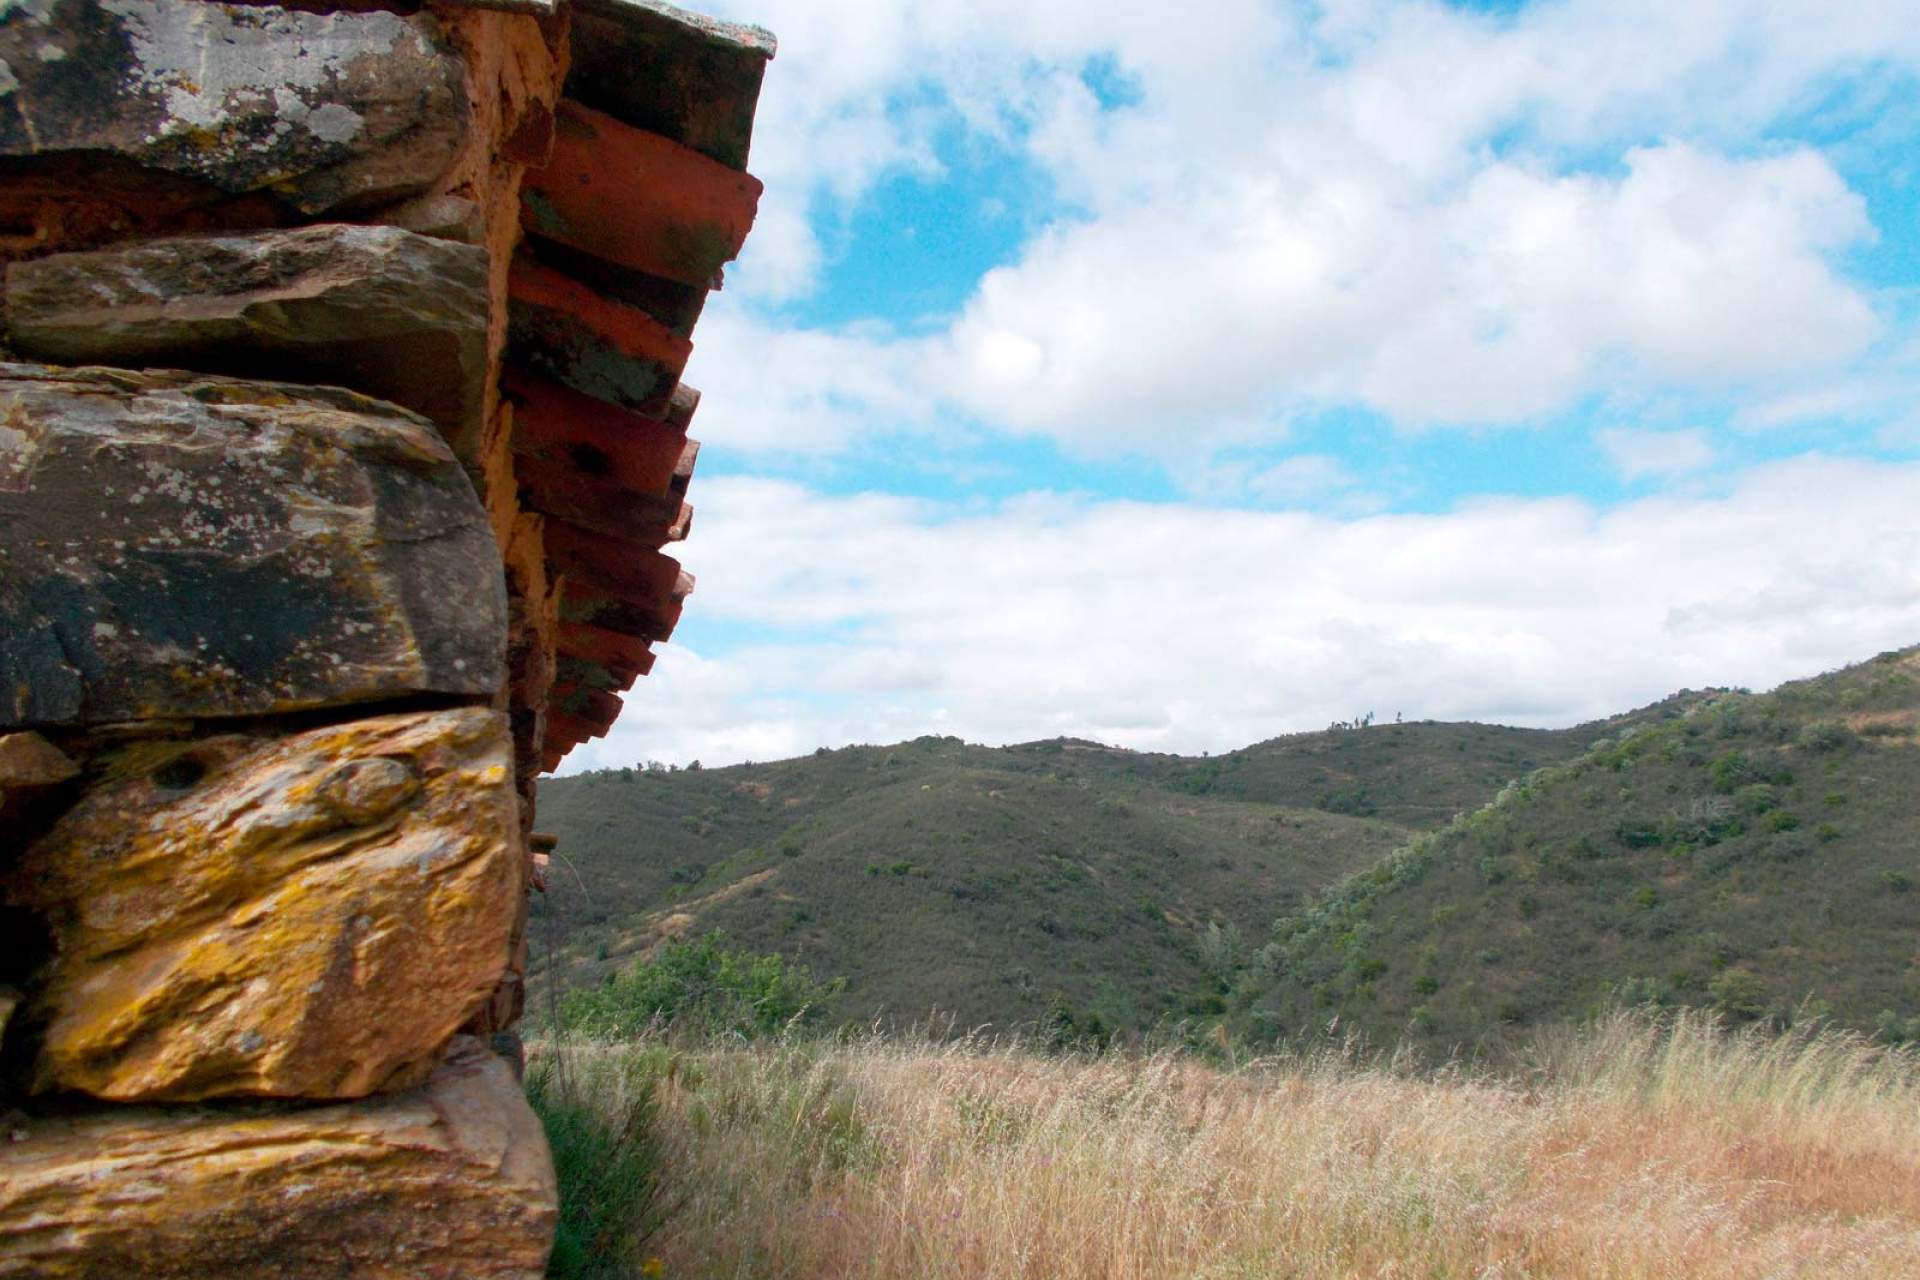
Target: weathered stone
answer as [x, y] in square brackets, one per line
[385, 311]
[179, 545]
[30, 767]
[308, 916]
[451, 1181]
[447, 217]
[322, 111]
[544, 8]
[682, 75]
[9, 1001]
[638, 199]
[29, 761]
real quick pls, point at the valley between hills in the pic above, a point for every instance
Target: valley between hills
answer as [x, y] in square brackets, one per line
[1452, 887]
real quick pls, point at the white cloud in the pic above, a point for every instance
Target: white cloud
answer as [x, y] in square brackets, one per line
[1303, 211]
[1636, 454]
[785, 391]
[1173, 626]
[1498, 301]
[1845, 401]
[1398, 204]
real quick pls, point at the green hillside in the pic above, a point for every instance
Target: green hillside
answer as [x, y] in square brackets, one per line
[1760, 854]
[1417, 775]
[984, 882]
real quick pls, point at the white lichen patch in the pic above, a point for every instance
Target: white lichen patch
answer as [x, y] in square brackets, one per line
[217, 65]
[329, 122]
[334, 122]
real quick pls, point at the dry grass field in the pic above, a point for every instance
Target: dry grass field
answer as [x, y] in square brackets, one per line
[1637, 1150]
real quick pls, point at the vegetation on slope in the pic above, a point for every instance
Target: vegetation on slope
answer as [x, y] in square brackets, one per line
[703, 985]
[1759, 855]
[1637, 1150]
[1001, 884]
[1417, 775]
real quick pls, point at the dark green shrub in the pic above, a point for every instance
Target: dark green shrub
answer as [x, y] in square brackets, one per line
[1352, 801]
[1739, 994]
[1063, 1030]
[1826, 736]
[1731, 772]
[1637, 834]
[1895, 1029]
[702, 984]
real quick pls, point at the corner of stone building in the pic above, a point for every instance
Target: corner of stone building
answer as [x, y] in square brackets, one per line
[344, 437]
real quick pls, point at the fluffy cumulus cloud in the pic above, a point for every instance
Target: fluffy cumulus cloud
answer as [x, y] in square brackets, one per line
[1439, 215]
[1496, 300]
[1170, 626]
[798, 391]
[1301, 257]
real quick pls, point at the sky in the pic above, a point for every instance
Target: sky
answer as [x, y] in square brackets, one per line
[1181, 376]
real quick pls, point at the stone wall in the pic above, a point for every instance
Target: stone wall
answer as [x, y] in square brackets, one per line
[341, 437]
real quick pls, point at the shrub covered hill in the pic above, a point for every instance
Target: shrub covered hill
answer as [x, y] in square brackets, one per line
[1759, 854]
[1003, 885]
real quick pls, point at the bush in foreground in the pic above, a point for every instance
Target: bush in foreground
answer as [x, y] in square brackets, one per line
[704, 986]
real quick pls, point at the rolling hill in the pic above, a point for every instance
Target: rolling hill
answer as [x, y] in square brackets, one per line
[1759, 854]
[992, 883]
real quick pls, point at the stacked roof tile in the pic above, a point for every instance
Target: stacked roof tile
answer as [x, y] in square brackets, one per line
[642, 199]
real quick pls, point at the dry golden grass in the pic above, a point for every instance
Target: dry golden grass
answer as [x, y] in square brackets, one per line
[1633, 1151]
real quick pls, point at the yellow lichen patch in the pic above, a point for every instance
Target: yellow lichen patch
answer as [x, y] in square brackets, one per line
[306, 916]
[449, 1181]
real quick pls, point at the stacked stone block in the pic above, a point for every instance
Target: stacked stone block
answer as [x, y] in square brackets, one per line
[341, 432]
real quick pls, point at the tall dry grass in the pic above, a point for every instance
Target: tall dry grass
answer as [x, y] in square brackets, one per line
[1639, 1149]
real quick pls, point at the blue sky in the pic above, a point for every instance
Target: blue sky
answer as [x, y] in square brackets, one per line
[1180, 382]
